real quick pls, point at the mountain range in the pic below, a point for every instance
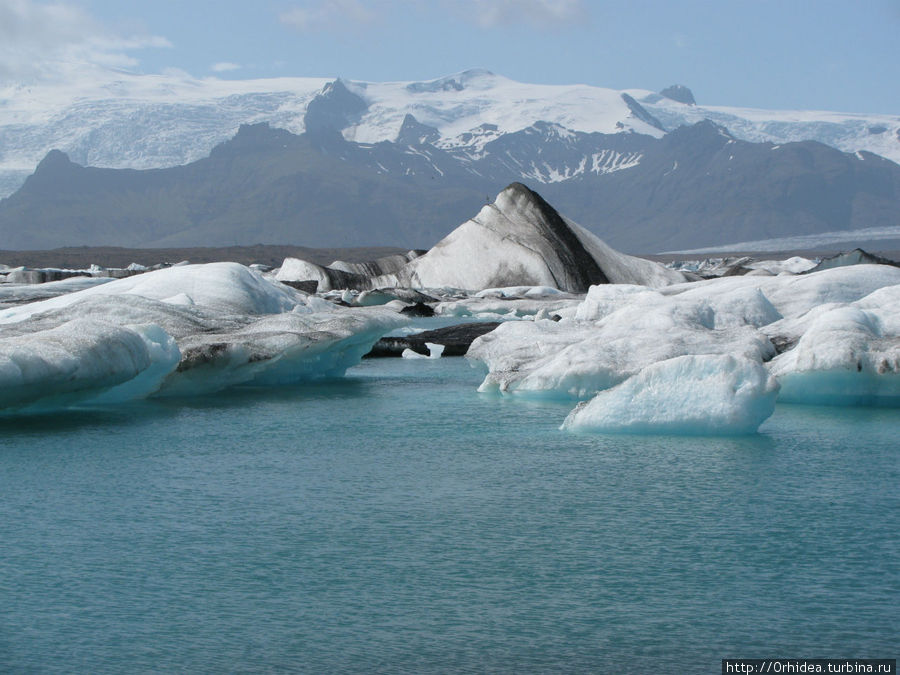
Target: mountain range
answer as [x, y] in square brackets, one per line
[331, 163]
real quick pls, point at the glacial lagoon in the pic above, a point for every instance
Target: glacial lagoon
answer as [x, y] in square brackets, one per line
[398, 520]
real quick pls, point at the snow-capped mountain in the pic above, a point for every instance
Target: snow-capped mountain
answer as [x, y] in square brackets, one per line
[694, 187]
[151, 121]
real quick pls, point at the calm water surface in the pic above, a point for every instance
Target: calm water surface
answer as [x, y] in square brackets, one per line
[398, 521]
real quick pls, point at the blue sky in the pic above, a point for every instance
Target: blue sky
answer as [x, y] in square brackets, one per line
[821, 54]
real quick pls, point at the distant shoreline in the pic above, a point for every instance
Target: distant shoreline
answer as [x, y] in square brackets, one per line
[82, 257]
[892, 254]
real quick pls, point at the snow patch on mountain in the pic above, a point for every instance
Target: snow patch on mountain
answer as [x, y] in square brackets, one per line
[148, 121]
[848, 132]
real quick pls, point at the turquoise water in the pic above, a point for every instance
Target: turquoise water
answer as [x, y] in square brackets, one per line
[398, 521]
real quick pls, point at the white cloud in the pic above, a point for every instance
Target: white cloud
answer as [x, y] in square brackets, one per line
[41, 41]
[538, 13]
[328, 14]
[313, 15]
[224, 67]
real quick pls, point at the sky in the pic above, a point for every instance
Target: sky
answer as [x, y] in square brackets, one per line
[785, 54]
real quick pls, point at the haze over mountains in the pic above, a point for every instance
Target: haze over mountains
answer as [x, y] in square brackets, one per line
[404, 163]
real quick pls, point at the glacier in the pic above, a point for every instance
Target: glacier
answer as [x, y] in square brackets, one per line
[181, 331]
[151, 121]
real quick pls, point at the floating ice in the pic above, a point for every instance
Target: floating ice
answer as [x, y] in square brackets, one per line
[83, 360]
[693, 395]
[17, 294]
[228, 288]
[518, 241]
[521, 292]
[828, 337]
[498, 309]
[794, 295]
[847, 356]
[179, 331]
[434, 352]
[618, 331]
[276, 350]
[795, 265]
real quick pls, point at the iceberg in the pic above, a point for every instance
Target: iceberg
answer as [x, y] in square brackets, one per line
[18, 294]
[518, 240]
[829, 337]
[434, 352]
[616, 332]
[174, 332]
[688, 395]
[792, 295]
[83, 360]
[497, 309]
[227, 288]
[846, 356]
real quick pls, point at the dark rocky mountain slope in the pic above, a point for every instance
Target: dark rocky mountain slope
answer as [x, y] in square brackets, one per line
[695, 187]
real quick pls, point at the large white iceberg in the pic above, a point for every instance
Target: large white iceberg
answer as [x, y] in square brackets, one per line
[692, 395]
[793, 295]
[827, 337]
[616, 332]
[180, 331]
[227, 288]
